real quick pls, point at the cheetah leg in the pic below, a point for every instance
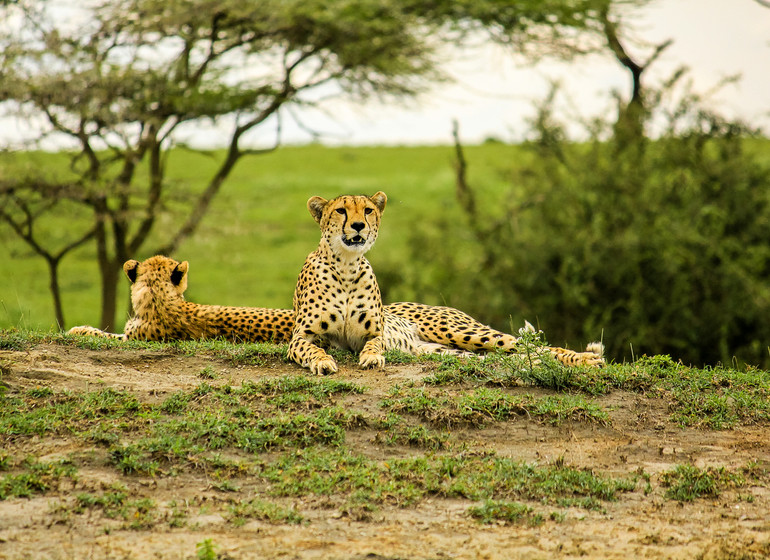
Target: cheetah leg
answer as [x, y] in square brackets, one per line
[85, 330]
[402, 334]
[371, 354]
[308, 355]
[593, 355]
[454, 329]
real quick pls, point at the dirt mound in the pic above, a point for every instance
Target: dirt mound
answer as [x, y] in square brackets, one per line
[192, 515]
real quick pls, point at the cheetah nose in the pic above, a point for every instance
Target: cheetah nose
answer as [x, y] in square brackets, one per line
[358, 226]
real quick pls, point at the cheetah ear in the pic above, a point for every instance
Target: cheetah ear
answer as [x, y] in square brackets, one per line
[129, 267]
[179, 272]
[380, 199]
[316, 206]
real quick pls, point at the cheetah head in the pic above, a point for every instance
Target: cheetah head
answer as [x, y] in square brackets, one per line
[349, 223]
[156, 276]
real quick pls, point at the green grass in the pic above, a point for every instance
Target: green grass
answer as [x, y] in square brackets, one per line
[510, 513]
[138, 514]
[252, 243]
[241, 511]
[686, 483]
[269, 444]
[484, 405]
[35, 478]
[404, 482]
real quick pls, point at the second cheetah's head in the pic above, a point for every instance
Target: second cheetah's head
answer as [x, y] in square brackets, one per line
[156, 277]
[349, 223]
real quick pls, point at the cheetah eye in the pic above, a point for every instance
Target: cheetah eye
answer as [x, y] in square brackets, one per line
[340, 210]
[368, 211]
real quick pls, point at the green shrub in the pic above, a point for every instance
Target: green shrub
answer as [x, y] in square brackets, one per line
[657, 246]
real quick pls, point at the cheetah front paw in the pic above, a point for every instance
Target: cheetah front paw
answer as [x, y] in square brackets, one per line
[371, 360]
[324, 366]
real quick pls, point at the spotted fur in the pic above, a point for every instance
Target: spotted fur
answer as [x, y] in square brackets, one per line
[337, 301]
[451, 328]
[161, 312]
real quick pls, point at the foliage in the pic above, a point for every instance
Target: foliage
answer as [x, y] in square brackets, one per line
[507, 512]
[37, 478]
[657, 246]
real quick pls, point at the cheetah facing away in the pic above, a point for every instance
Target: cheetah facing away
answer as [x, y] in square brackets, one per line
[337, 301]
[161, 312]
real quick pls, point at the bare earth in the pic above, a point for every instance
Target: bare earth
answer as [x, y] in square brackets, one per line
[641, 436]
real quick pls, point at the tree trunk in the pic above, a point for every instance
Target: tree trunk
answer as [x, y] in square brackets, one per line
[109, 294]
[53, 284]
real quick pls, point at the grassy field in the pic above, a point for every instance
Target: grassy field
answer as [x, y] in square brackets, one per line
[251, 246]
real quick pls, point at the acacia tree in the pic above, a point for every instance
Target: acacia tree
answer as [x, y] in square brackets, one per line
[124, 81]
[121, 78]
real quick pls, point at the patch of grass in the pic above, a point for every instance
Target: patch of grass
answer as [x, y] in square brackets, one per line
[130, 459]
[206, 550]
[420, 402]
[179, 401]
[207, 372]
[19, 340]
[138, 513]
[37, 478]
[686, 483]
[711, 397]
[399, 357]
[40, 411]
[509, 513]
[395, 431]
[407, 481]
[290, 392]
[189, 427]
[486, 404]
[240, 512]
[490, 369]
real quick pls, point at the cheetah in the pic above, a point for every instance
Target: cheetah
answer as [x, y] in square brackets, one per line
[161, 312]
[337, 301]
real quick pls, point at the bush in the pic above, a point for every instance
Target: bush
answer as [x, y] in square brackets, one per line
[658, 246]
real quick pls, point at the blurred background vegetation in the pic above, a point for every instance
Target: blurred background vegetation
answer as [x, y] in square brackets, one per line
[652, 232]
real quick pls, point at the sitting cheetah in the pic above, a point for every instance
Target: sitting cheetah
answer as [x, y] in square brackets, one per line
[337, 301]
[161, 312]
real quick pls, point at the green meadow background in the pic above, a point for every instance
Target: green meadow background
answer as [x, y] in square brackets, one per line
[251, 245]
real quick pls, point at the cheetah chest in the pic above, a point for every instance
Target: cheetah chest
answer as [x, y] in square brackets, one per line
[351, 312]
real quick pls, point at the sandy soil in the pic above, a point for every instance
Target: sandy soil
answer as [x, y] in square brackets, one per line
[641, 436]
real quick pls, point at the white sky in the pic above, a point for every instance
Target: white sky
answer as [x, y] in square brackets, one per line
[493, 94]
